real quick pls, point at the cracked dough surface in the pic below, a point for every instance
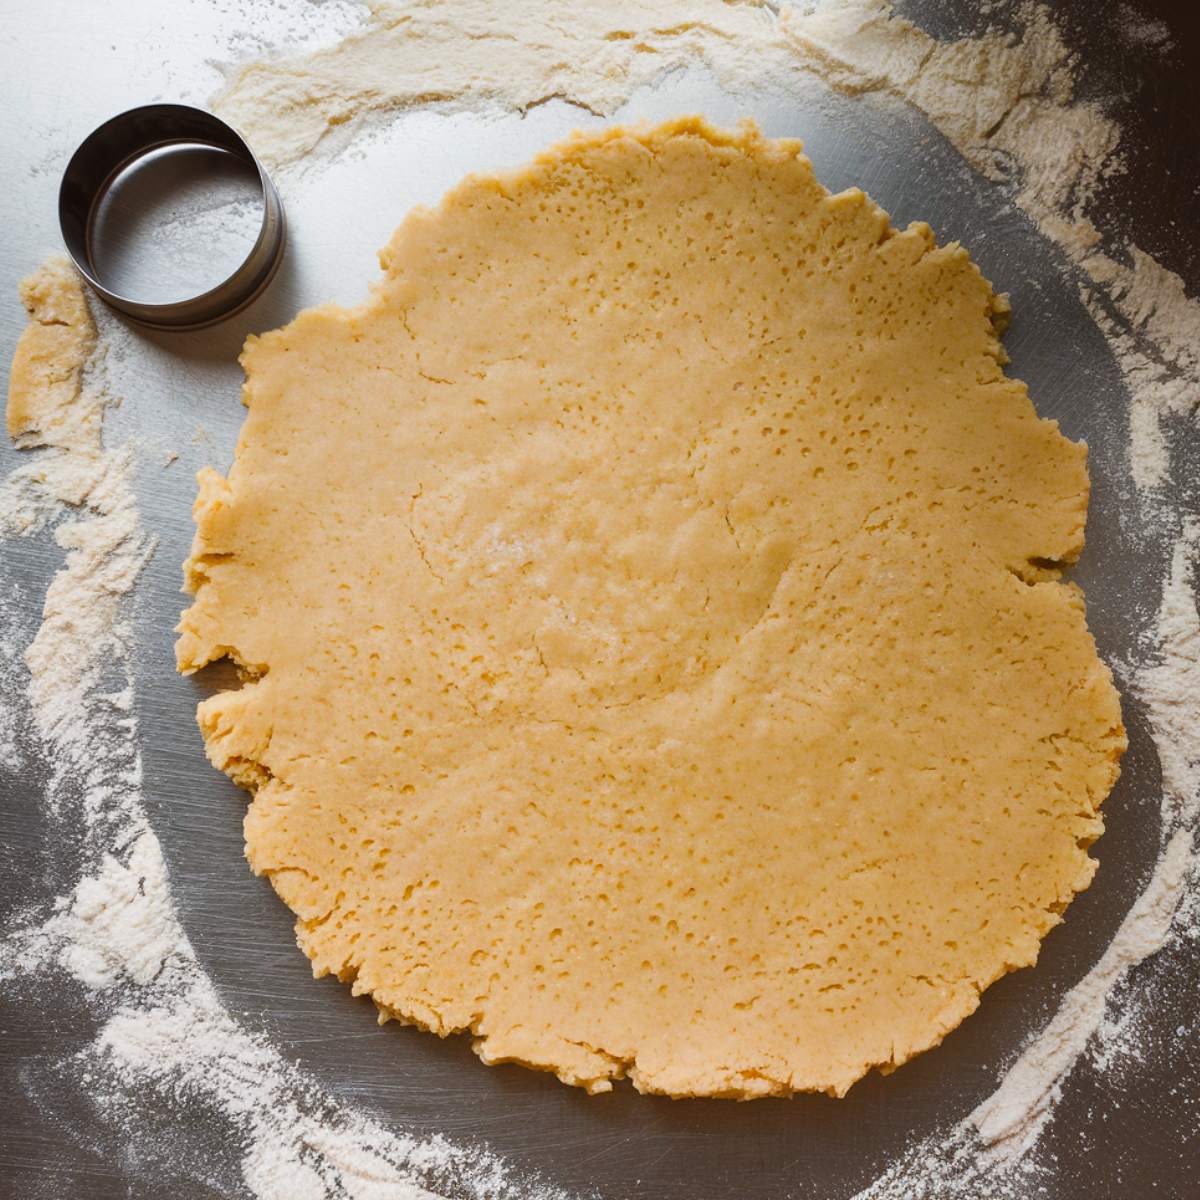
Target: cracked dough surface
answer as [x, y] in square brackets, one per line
[657, 663]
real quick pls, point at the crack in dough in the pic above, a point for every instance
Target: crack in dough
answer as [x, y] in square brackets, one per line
[719, 717]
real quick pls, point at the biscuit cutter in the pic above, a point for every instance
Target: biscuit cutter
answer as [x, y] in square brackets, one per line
[119, 143]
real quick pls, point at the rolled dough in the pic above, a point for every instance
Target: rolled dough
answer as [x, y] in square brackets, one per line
[656, 657]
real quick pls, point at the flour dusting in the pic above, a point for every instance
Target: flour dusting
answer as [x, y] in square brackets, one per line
[117, 932]
[1008, 102]
[472, 54]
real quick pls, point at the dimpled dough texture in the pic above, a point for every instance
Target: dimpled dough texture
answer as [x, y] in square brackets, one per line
[655, 658]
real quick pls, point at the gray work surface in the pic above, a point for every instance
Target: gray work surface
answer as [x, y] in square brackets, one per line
[64, 67]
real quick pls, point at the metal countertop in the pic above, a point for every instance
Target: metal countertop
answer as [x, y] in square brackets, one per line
[64, 67]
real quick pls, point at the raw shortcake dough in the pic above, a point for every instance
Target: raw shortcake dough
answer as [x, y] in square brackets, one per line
[47, 367]
[649, 600]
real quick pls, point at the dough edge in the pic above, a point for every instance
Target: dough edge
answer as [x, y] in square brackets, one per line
[576, 1063]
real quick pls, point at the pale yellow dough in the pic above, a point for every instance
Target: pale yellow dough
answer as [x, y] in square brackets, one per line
[657, 664]
[47, 367]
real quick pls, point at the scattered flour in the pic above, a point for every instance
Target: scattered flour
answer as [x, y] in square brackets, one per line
[1007, 102]
[166, 241]
[1153, 327]
[117, 932]
[471, 54]
[989, 1153]
[1009, 1120]
[1140, 31]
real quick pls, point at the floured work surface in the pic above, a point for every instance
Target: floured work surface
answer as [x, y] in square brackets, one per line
[651, 596]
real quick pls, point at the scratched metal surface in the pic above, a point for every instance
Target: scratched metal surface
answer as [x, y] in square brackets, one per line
[182, 395]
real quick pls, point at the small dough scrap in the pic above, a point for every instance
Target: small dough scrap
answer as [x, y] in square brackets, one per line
[657, 660]
[47, 368]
